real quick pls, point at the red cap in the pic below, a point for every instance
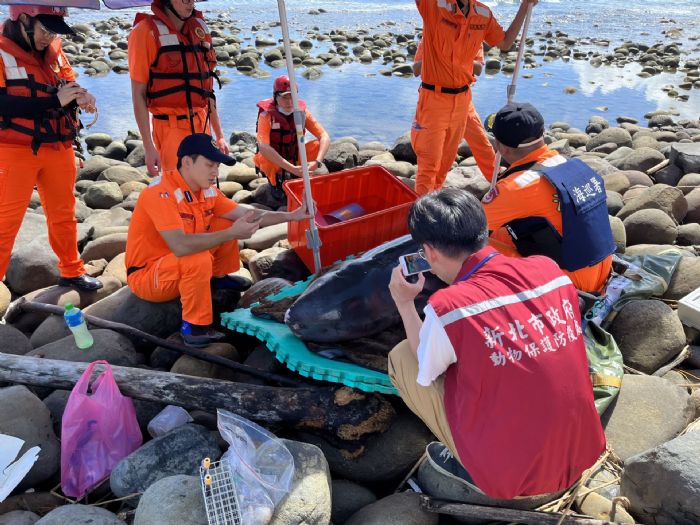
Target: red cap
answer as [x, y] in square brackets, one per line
[34, 10]
[282, 85]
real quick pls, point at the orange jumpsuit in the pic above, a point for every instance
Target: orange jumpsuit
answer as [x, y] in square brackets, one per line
[167, 129]
[526, 193]
[451, 41]
[474, 131]
[269, 168]
[51, 169]
[154, 272]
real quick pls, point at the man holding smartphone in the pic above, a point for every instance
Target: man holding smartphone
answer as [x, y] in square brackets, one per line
[183, 237]
[498, 369]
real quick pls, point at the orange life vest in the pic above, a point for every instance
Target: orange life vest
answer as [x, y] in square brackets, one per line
[183, 72]
[283, 136]
[27, 74]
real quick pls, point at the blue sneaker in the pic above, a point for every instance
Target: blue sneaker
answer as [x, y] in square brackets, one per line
[198, 336]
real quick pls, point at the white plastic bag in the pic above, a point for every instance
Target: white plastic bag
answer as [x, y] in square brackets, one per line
[261, 465]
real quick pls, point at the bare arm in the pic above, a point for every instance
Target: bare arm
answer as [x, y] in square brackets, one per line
[221, 141]
[266, 218]
[325, 143]
[514, 29]
[143, 121]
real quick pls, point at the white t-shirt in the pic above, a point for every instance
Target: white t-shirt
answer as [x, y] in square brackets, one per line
[435, 351]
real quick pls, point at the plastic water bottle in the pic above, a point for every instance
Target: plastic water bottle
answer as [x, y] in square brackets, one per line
[76, 322]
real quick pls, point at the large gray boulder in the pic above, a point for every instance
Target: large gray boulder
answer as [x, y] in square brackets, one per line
[650, 226]
[641, 159]
[267, 237]
[617, 182]
[5, 298]
[80, 515]
[398, 509]
[32, 266]
[12, 341]
[109, 346]
[109, 218]
[686, 156]
[647, 412]
[469, 179]
[648, 333]
[660, 197]
[619, 136]
[403, 150]
[278, 262]
[24, 416]
[175, 499]
[693, 202]
[180, 451]
[309, 499]
[19, 517]
[348, 498]
[341, 156]
[685, 279]
[123, 174]
[103, 195]
[663, 484]
[619, 234]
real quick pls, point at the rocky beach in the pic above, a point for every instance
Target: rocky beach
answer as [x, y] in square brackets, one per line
[649, 160]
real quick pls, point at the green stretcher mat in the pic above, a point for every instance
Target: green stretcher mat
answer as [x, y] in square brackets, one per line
[292, 351]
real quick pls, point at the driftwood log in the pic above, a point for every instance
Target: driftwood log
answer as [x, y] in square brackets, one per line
[528, 517]
[339, 412]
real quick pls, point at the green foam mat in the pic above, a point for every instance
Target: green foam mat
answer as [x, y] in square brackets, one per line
[292, 351]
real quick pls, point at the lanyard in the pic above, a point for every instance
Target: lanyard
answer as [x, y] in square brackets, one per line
[479, 265]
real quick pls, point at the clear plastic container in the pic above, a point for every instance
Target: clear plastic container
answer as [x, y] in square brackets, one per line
[76, 322]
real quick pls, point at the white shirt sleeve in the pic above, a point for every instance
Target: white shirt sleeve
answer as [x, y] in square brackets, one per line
[435, 351]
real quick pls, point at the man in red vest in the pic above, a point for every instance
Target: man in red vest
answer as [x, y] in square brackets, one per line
[498, 369]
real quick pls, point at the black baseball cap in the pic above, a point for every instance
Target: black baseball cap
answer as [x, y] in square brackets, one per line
[518, 124]
[55, 24]
[204, 145]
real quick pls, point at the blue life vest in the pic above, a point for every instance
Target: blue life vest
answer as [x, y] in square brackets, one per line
[586, 236]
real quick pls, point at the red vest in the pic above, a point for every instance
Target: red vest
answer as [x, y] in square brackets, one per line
[27, 74]
[283, 136]
[182, 74]
[519, 399]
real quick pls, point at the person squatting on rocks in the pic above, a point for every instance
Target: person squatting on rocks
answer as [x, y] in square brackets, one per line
[172, 67]
[278, 147]
[474, 131]
[546, 205]
[453, 32]
[183, 237]
[498, 370]
[40, 99]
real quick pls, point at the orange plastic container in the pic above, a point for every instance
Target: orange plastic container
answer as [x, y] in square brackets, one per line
[385, 199]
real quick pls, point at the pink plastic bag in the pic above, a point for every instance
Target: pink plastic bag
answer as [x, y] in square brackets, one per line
[98, 431]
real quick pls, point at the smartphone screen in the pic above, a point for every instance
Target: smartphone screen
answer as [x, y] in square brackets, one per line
[413, 263]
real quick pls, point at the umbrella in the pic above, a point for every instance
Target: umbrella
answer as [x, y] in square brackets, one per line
[84, 4]
[313, 241]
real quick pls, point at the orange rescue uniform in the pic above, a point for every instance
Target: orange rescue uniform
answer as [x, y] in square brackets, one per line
[52, 169]
[269, 168]
[145, 41]
[154, 272]
[474, 132]
[526, 193]
[451, 40]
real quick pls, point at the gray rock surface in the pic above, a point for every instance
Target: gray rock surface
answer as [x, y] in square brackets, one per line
[640, 159]
[685, 279]
[403, 150]
[103, 195]
[650, 226]
[309, 500]
[341, 156]
[174, 500]
[107, 247]
[397, 509]
[12, 341]
[686, 157]
[79, 515]
[661, 197]
[24, 416]
[19, 517]
[619, 136]
[278, 262]
[648, 333]
[108, 345]
[348, 498]
[180, 451]
[647, 412]
[663, 484]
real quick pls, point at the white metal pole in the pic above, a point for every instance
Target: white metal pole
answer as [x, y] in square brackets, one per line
[510, 95]
[313, 241]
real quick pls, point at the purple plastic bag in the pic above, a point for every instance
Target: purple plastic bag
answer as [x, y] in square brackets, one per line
[98, 431]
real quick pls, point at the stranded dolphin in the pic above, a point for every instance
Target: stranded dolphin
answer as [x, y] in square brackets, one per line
[352, 300]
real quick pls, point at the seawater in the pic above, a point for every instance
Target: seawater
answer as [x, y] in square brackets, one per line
[355, 100]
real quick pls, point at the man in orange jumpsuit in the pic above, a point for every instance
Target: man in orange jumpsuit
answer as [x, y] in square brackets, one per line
[172, 66]
[183, 237]
[278, 147]
[453, 32]
[474, 132]
[38, 102]
[546, 205]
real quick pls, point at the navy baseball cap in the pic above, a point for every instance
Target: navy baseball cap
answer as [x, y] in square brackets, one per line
[518, 124]
[204, 145]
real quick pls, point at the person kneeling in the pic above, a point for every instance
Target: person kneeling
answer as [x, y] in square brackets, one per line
[498, 369]
[183, 237]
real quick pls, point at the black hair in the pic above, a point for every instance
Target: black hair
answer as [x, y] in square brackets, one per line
[12, 30]
[194, 158]
[450, 220]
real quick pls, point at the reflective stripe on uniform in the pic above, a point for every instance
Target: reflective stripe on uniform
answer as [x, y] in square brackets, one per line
[12, 71]
[482, 10]
[209, 192]
[505, 300]
[444, 4]
[165, 37]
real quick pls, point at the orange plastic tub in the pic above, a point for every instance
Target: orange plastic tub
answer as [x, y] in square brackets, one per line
[385, 199]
